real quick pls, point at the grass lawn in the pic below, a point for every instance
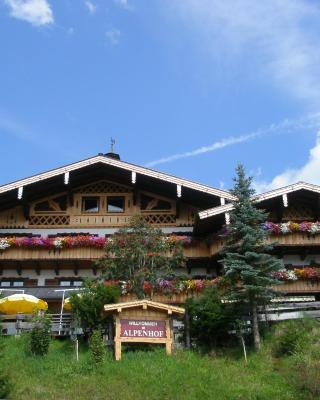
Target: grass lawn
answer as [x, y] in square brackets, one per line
[142, 375]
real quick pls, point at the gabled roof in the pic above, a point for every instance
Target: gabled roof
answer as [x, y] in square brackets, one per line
[262, 197]
[101, 159]
[118, 307]
[286, 190]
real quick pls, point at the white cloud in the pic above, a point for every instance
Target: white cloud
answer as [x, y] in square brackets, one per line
[113, 36]
[123, 4]
[37, 12]
[282, 36]
[309, 172]
[92, 8]
[285, 126]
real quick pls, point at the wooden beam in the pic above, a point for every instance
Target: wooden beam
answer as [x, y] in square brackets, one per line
[38, 268]
[227, 218]
[76, 268]
[133, 177]
[57, 269]
[19, 268]
[66, 177]
[20, 192]
[179, 190]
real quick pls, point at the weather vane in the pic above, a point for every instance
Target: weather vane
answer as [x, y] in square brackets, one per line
[113, 142]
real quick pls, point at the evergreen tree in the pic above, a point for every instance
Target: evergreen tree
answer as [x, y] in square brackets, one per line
[246, 256]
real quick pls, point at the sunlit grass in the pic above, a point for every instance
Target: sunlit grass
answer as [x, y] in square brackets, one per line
[150, 375]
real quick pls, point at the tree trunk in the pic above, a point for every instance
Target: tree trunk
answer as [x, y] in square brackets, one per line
[255, 327]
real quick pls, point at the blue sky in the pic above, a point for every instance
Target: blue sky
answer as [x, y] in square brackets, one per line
[189, 87]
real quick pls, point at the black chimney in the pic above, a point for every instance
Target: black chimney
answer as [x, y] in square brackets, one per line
[113, 155]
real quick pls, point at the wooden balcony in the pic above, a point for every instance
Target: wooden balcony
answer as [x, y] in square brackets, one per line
[286, 240]
[296, 287]
[307, 286]
[196, 250]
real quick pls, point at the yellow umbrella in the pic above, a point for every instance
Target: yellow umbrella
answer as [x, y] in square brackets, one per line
[66, 304]
[22, 303]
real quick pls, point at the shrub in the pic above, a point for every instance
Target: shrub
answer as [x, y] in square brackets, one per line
[5, 382]
[5, 385]
[40, 336]
[88, 305]
[305, 362]
[305, 373]
[211, 319]
[292, 336]
[97, 347]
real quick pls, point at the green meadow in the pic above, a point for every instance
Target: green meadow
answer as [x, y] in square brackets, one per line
[145, 375]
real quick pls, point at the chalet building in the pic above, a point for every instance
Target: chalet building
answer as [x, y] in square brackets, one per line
[85, 202]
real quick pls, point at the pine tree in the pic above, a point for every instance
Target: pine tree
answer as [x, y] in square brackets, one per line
[246, 256]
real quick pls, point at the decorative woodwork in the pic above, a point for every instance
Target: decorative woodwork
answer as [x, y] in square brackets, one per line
[160, 219]
[49, 220]
[103, 187]
[298, 213]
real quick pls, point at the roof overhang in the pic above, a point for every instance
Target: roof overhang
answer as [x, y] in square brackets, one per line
[119, 164]
[211, 212]
[145, 304]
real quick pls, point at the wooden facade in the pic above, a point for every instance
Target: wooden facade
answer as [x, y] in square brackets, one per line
[97, 196]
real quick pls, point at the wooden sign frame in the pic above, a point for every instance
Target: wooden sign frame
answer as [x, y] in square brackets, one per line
[143, 311]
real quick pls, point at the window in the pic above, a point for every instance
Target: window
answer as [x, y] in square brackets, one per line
[90, 204]
[17, 283]
[12, 282]
[115, 204]
[70, 282]
[65, 283]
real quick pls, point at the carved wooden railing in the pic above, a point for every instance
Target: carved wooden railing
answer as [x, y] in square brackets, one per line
[49, 220]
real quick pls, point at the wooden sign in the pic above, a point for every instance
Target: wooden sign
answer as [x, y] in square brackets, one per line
[142, 328]
[143, 321]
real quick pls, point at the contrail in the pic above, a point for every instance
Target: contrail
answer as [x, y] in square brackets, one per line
[285, 126]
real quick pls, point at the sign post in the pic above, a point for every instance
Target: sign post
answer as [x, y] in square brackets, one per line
[143, 321]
